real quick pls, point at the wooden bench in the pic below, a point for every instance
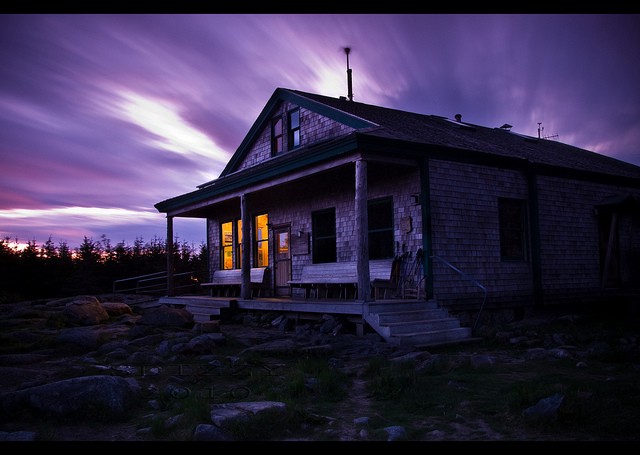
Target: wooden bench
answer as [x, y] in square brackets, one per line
[343, 276]
[227, 283]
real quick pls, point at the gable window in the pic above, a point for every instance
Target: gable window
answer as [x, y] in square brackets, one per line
[380, 228]
[512, 216]
[261, 240]
[294, 129]
[277, 145]
[324, 236]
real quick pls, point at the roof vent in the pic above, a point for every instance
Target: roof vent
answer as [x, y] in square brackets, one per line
[458, 117]
[506, 126]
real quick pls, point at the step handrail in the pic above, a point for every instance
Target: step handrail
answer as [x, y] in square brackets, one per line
[470, 278]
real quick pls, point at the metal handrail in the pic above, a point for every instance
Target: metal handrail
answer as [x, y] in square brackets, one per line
[473, 280]
[148, 278]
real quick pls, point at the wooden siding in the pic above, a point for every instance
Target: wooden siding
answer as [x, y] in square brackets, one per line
[464, 217]
[466, 233]
[569, 236]
[313, 128]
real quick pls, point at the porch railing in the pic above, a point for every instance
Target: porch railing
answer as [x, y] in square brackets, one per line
[470, 278]
[154, 283]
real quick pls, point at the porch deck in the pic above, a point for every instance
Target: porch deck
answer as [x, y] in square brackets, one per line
[281, 304]
[401, 322]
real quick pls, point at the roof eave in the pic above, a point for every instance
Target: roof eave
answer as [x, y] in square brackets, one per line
[268, 170]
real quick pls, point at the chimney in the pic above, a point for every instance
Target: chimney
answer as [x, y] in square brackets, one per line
[458, 118]
[350, 91]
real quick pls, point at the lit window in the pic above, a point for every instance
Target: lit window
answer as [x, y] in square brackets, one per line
[231, 250]
[226, 230]
[262, 241]
[239, 244]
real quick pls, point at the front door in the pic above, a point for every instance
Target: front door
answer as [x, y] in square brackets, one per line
[282, 262]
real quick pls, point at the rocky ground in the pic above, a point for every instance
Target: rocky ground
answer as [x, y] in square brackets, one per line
[112, 357]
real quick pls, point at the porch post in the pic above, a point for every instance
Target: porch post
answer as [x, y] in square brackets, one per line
[170, 267]
[427, 231]
[245, 287]
[362, 232]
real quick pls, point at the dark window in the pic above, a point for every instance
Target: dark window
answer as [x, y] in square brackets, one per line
[324, 236]
[380, 228]
[276, 136]
[294, 129]
[513, 233]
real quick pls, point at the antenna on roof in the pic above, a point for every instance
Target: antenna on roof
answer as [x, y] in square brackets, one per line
[350, 91]
[541, 129]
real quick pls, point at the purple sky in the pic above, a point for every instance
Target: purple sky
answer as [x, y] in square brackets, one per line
[102, 116]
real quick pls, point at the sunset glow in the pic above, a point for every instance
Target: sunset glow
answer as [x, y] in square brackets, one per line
[103, 116]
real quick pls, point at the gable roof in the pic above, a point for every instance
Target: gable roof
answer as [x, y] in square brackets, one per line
[297, 98]
[440, 131]
[412, 133]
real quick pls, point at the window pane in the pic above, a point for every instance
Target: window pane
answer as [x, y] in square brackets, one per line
[239, 245]
[381, 245]
[512, 219]
[294, 129]
[324, 236]
[380, 228]
[262, 240]
[227, 245]
[294, 119]
[276, 136]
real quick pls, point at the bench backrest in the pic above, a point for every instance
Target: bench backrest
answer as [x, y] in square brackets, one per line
[379, 269]
[258, 276]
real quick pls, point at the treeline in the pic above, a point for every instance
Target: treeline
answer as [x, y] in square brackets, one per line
[51, 270]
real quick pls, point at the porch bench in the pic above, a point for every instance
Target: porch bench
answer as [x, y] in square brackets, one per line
[315, 278]
[227, 282]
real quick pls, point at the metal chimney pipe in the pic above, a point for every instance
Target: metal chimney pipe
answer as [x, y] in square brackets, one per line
[349, 85]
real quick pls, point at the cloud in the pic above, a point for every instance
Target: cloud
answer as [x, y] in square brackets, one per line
[108, 112]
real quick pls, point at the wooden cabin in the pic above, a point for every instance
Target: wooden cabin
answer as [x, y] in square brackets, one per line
[336, 199]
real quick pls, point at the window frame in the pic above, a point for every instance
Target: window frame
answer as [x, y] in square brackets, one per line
[388, 230]
[277, 137]
[257, 246]
[227, 244]
[293, 133]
